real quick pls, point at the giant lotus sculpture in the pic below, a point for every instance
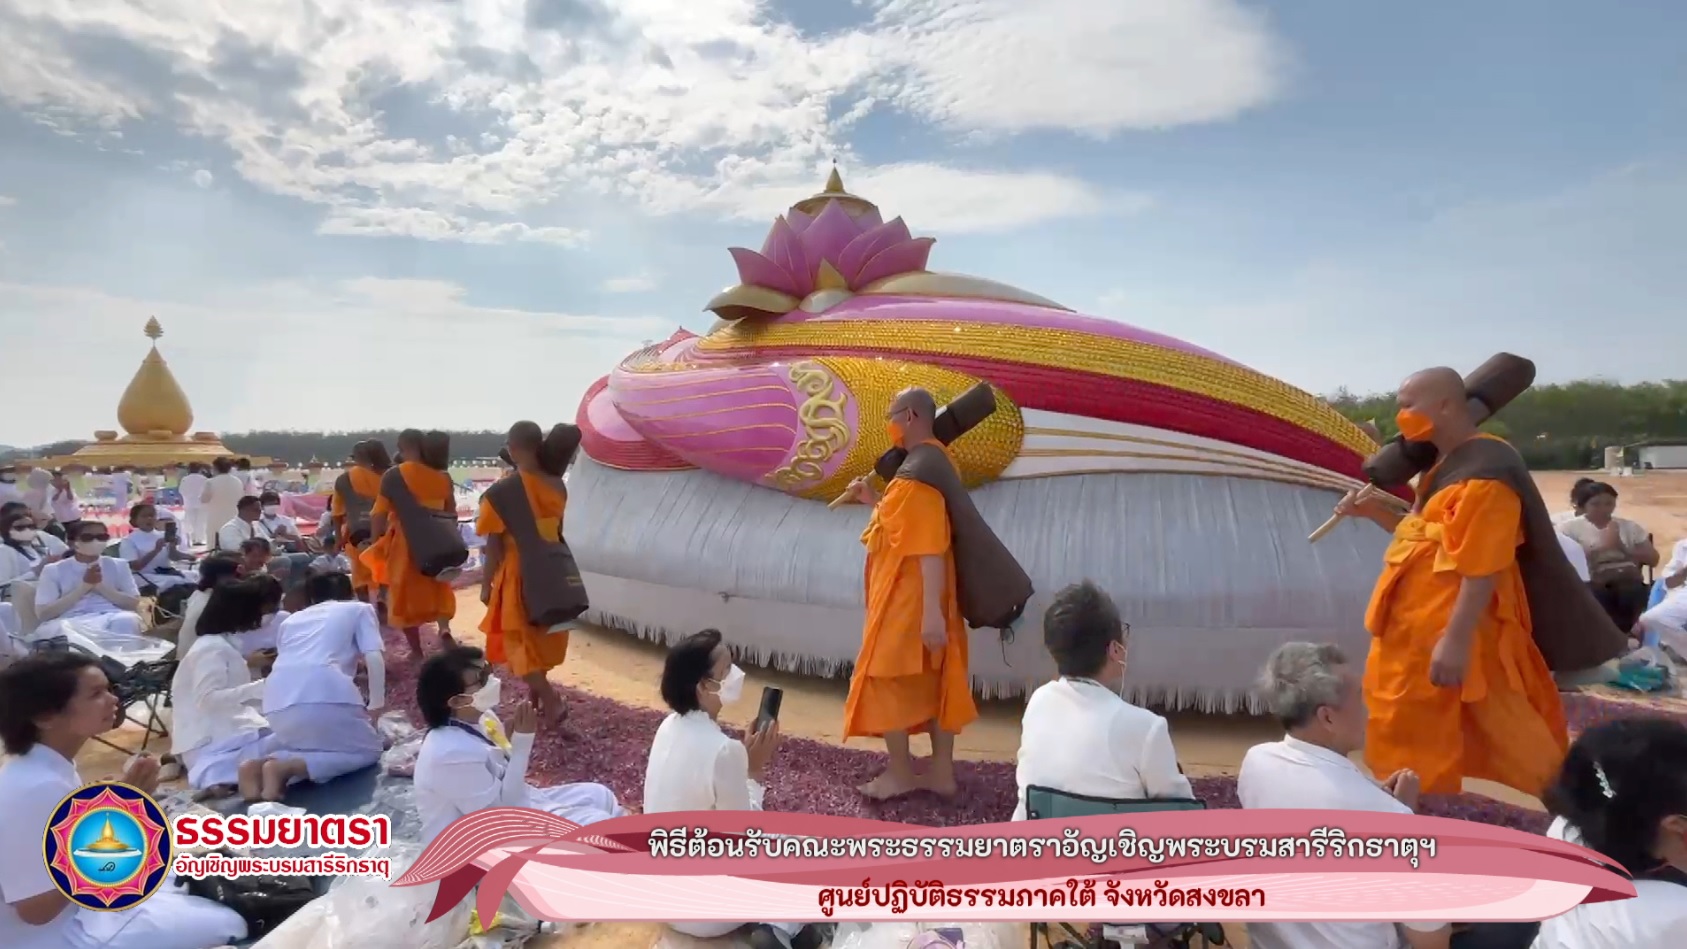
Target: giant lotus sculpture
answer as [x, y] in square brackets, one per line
[1184, 483]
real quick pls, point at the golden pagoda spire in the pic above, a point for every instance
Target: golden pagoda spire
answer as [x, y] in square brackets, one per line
[154, 403]
[834, 191]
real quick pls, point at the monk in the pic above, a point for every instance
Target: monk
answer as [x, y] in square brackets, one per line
[355, 494]
[911, 674]
[1455, 683]
[413, 599]
[511, 639]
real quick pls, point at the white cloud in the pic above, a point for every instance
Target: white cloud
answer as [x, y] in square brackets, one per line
[438, 359]
[674, 105]
[7, 201]
[637, 283]
[203, 178]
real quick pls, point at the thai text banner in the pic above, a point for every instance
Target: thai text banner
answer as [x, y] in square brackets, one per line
[1194, 866]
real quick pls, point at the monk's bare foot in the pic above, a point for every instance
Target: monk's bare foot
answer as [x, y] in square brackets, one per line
[888, 785]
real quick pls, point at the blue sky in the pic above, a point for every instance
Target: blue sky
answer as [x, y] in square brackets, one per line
[379, 212]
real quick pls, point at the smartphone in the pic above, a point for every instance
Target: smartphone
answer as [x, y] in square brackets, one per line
[170, 530]
[769, 712]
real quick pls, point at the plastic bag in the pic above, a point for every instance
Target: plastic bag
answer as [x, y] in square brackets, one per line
[903, 935]
[359, 912]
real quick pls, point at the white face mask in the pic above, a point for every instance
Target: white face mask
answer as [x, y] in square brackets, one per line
[732, 687]
[272, 510]
[24, 535]
[90, 548]
[486, 698]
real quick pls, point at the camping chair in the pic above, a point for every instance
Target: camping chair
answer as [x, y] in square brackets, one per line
[1041, 802]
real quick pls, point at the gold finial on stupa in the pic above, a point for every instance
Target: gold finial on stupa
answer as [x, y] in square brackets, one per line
[108, 842]
[154, 403]
[834, 191]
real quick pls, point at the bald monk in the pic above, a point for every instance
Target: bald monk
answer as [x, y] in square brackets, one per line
[1455, 683]
[355, 492]
[911, 674]
[412, 599]
[511, 638]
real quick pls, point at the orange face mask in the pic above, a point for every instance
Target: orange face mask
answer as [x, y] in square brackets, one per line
[1414, 426]
[896, 432]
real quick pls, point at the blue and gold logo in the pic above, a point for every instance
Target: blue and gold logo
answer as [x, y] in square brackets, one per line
[108, 846]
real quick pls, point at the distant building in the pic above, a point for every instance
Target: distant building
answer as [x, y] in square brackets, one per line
[1663, 455]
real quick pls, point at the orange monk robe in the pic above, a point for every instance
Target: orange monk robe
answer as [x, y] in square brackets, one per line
[899, 685]
[412, 599]
[1506, 722]
[510, 638]
[366, 482]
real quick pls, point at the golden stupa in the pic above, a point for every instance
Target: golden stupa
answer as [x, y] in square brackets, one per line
[108, 842]
[156, 418]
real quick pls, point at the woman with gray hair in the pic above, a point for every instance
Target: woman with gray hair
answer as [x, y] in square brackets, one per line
[1312, 690]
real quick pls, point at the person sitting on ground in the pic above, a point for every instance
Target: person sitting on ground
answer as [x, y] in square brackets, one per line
[463, 768]
[151, 552]
[695, 766]
[94, 592]
[1623, 793]
[332, 559]
[51, 705]
[1315, 694]
[25, 550]
[1672, 576]
[284, 529]
[214, 571]
[264, 637]
[222, 739]
[1665, 624]
[1078, 734]
[1617, 548]
[311, 697]
[247, 524]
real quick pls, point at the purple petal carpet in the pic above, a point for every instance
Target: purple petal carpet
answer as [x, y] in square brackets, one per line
[816, 777]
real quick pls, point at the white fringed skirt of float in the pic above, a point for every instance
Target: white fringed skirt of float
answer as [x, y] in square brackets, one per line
[1182, 483]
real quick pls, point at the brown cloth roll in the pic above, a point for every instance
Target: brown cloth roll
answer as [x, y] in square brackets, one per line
[436, 544]
[1491, 388]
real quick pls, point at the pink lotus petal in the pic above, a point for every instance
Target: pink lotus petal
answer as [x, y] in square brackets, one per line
[785, 249]
[870, 245]
[830, 233]
[758, 271]
[905, 257]
[798, 220]
[869, 219]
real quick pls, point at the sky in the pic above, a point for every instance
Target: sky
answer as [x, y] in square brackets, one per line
[458, 213]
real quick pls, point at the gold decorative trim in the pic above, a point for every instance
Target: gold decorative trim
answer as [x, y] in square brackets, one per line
[1331, 480]
[824, 429]
[1275, 479]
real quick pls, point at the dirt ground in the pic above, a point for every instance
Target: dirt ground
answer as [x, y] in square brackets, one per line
[621, 667]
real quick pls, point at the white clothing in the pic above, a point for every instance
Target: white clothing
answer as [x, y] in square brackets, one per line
[1564, 516]
[120, 492]
[1080, 737]
[252, 484]
[215, 696]
[31, 787]
[1575, 554]
[264, 637]
[223, 493]
[188, 633]
[331, 738]
[1294, 774]
[15, 563]
[1582, 531]
[281, 525]
[140, 544]
[235, 532]
[106, 627]
[1658, 909]
[317, 650]
[1677, 561]
[694, 766]
[194, 526]
[338, 563]
[460, 770]
[94, 611]
[1669, 620]
[65, 508]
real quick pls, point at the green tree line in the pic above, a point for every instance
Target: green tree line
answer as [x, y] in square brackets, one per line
[1565, 426]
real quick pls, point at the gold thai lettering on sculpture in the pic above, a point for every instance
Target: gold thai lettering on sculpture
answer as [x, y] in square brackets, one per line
[825, 432]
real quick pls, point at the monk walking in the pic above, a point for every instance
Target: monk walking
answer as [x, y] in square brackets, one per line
[1455, 683]
[511, 637]
[911, 674]
[414, 599]
[355, 494]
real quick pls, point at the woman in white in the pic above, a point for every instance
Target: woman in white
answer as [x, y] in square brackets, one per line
[151, 553]
[67, 509]
[694, 766]
[223, 740]
[1623, 793]
[94, 592]
[192, 489]
[311, 697]
[214, 571]
[55, 703]
[464, 765]
[221, 496]
[24, 548]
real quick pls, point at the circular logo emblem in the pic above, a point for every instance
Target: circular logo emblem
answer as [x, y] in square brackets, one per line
[107, 846]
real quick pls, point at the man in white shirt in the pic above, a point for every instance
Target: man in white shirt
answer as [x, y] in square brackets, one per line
[222, 495]
[192, 488]
[1316, 695]
[96, 593]
[247, 524]
[1078, 735]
